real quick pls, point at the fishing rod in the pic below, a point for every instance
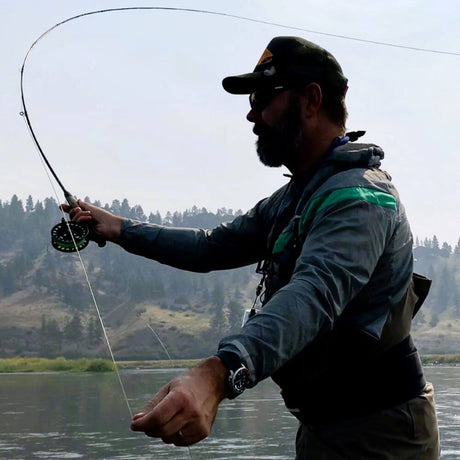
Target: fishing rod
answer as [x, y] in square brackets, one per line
[66, 236]
[69, 236]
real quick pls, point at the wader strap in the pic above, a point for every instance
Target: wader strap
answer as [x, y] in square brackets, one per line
[421, 287]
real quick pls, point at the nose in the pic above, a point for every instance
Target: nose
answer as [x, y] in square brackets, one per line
[253, 116]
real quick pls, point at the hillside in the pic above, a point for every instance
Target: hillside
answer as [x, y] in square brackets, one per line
[46, 308]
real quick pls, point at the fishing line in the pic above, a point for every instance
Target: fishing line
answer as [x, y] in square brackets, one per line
[46, 163]
[169, 357]
[249, 19]
[160, 341]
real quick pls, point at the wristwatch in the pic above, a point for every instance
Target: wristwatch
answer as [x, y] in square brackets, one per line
[238, 377]
[237, 380]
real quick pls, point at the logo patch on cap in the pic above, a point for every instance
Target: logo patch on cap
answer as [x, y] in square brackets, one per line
[266, 57]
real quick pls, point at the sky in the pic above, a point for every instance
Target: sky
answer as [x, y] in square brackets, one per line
[130, 104]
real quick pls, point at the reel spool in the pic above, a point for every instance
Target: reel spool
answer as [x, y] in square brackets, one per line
[61, 236]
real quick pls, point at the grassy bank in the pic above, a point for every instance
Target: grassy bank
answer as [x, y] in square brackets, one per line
[55, 365]
[104, 365]
[441, 359]
[86, 364]
[160, 364]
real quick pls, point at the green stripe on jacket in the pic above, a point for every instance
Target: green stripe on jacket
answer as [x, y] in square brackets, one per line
[370, 195]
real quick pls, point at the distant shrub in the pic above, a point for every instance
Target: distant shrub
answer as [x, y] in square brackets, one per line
[99, 365]
[55, 365]
[58, 365]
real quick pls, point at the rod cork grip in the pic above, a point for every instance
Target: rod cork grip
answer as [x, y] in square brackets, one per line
[71, 199]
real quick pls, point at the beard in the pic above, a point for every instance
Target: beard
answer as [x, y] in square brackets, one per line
[279, 144]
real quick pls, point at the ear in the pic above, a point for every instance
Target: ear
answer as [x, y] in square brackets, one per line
[312, 97]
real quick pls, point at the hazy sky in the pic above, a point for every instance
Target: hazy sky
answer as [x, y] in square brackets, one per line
[131, 104]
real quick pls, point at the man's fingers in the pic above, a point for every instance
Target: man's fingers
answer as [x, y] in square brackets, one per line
[185, 437]
[79, 213]
[164, 390]
[158, 413]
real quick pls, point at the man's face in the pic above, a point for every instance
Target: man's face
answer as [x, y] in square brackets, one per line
[279, 137]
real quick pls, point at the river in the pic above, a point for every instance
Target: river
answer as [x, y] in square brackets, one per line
[66, 416]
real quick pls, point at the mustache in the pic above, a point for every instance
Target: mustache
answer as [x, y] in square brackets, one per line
[261, 129]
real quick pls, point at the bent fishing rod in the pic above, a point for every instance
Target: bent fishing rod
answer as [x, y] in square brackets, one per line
[69, 236]
[66, 236]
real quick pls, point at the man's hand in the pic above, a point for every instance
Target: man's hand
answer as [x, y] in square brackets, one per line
[183, 411]
[107, 225]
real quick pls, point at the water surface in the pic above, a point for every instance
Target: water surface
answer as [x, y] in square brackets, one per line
[69, 416]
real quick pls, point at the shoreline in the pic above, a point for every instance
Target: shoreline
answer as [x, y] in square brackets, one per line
[30, 365]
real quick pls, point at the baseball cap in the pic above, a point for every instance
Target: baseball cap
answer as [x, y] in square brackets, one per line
[287, 61]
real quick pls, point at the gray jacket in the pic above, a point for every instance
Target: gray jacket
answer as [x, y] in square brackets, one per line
[339, 246]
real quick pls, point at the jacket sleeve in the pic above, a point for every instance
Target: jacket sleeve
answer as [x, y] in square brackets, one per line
[345, 241]
[230, 245]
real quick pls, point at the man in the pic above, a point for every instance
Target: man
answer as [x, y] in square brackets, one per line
[335, 251]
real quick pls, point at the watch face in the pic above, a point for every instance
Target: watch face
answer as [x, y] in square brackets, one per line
[239, 380]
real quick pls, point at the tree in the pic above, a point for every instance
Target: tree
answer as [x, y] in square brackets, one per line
[74, 330]
[50, 338]
[457, 248]
[177, 219]
[435, 244]
[235, 314]
[125, 210]
[168, 219]
[155, 218]
[116, 207]
[51, 210]
[16, 211]
[218, 296]
[29, 204]
[443, 289]
[218, 321]
[446, 250]
[94, 332]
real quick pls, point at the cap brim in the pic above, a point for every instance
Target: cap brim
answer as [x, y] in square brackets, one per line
[246, 83]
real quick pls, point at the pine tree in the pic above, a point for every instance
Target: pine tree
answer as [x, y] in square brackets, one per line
[125, 210]
[218, 320]
[177, 219]
[29, 204]
[235, 315]
[16, 210]
[435, 244]
[457, 248]
[94, 332]
[446, 250]
[50, 338]
[155, 218]
[116, 207]
[74, 329]
[137, 213]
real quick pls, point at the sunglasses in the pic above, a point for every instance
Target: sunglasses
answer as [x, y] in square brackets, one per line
[259, 100]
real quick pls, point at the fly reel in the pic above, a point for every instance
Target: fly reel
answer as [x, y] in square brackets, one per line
[69, 236]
